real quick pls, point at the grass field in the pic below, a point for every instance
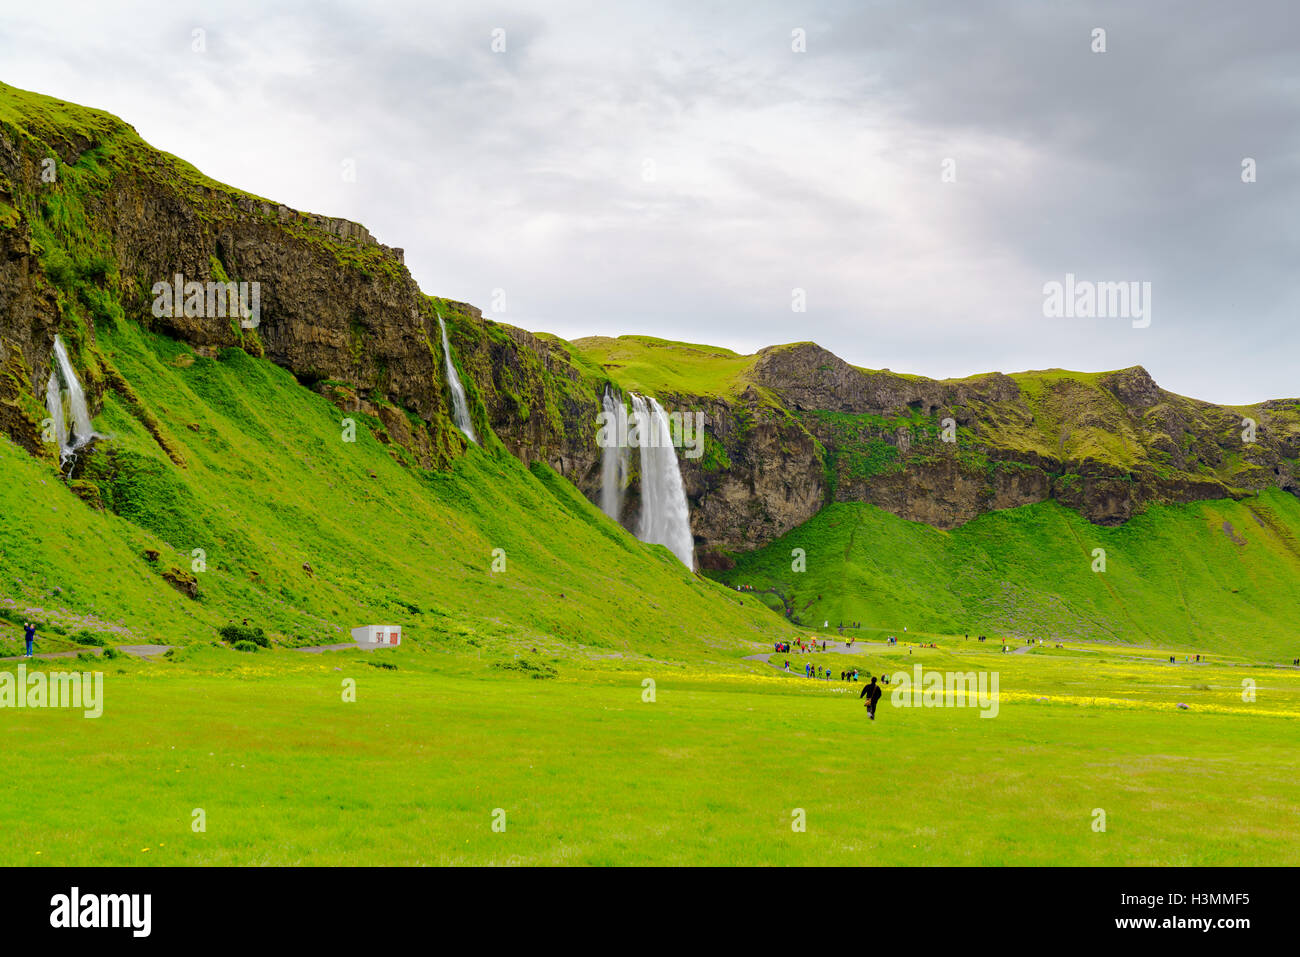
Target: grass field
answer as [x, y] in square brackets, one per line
[711, 772]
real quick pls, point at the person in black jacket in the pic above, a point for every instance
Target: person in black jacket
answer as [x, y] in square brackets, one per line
[872, 693]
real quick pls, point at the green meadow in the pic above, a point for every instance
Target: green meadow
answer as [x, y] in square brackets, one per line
[575, 766]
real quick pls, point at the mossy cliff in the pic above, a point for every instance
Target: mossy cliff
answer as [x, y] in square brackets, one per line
[91, 218]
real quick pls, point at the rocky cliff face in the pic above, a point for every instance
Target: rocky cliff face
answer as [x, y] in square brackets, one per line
[540, 403]
[789, 429]
[29, 319]
[809, 429]
[764, 478]
[98, 218]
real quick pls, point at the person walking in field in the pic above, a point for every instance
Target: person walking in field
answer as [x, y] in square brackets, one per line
[29, 633]
[872, 693]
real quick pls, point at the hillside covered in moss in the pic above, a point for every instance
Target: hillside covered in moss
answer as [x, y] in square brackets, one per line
[1219, 576]
[311, 458]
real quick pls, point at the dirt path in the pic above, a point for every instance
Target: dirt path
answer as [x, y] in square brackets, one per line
[150, 652]
[136, 651]
[145, 651]
[839, 648]
[51, 654]
[317, 649]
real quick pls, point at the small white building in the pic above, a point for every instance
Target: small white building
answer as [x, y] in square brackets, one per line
[377, 636]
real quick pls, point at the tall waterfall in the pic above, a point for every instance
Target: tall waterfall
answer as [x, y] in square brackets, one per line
[63, 379]
[460, 408]
[613, 456]
[665, 514]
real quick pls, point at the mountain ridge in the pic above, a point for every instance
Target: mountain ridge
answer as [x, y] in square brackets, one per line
[1106, 444]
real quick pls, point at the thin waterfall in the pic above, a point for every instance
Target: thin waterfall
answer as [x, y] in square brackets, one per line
[460, 408]
[613, 455]
[63, 380]
[665, 513]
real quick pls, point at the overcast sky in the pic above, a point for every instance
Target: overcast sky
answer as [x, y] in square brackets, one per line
[677, 169]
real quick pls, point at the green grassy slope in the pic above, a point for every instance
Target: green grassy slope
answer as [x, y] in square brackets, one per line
[268, 483]
[654, 366]
[1212, 576]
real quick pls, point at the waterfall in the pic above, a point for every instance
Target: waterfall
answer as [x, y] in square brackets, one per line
[665, 514]
[63, 379]
[613, 456]
[460, 408]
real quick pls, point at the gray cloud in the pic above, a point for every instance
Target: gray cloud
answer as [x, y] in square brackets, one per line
[528, 170]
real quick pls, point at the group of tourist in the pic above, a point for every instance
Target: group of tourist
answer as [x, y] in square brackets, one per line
[810, 645]
[826, 674]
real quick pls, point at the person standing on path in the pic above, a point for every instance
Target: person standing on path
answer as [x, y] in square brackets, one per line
[29, 633]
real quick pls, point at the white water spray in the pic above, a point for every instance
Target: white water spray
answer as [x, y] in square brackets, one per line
[613, 456]
[665, 513]
[63, 380]
[460, 408]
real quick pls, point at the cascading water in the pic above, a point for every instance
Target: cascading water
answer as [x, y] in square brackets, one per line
[665, 514]
[613, 456]
[63, 379]
[460, 408]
